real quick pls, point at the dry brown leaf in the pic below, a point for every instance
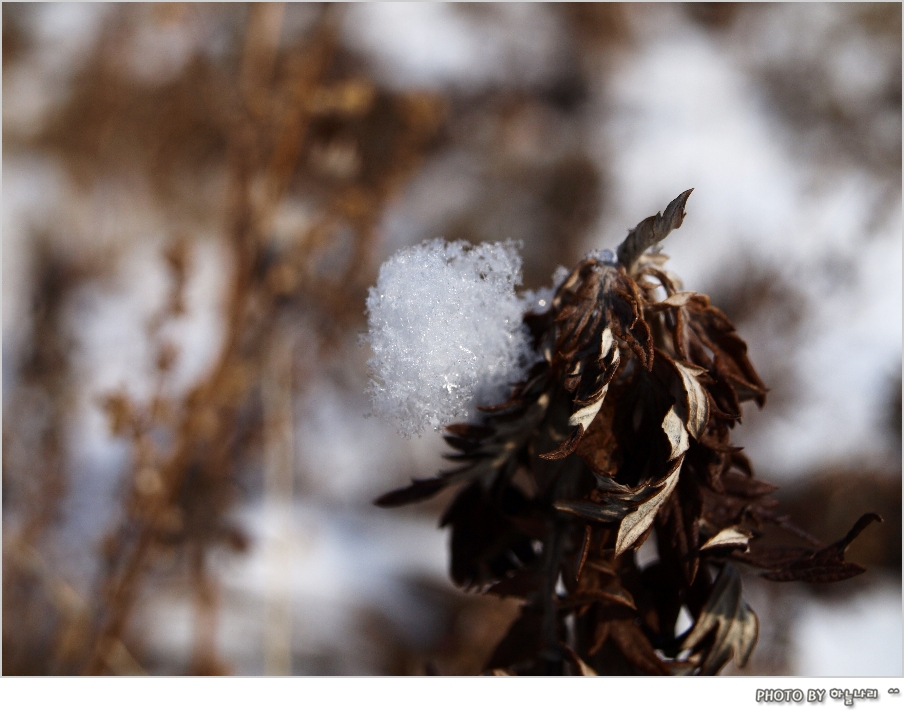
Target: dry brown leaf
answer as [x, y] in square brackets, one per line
[585, 416]
[676, 432]
[638, 521]
[695, 402]
[729, 537]
[652, 230]
[727, 615]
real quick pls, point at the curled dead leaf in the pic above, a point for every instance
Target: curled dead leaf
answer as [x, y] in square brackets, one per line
[734, 624]
[729, 537]
[693, 405]
[586, 415]
[676, 432]
[638, 521]
[652, 230]
[610, 512]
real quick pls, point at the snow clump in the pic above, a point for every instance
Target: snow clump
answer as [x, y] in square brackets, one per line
[446, 331]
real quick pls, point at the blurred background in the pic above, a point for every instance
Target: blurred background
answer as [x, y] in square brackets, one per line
[196, 198]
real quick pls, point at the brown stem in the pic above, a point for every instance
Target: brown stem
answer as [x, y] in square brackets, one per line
[207, 417]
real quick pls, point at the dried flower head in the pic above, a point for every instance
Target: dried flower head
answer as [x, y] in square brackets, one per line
[620, 430]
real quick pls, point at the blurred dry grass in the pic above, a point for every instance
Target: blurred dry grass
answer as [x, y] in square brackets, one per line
[265, 125]
[276, 140]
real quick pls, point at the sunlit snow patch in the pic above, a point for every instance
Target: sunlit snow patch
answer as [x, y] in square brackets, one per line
[446, 330]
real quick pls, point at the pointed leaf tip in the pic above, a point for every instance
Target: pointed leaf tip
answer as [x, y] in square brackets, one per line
[420, 489]
[652, 230]
[638, 521]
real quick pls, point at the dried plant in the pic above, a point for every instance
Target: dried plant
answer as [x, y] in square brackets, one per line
[269, 136]
[620, 433]
[308, 111]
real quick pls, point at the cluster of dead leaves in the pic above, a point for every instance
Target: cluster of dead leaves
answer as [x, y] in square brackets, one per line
[622, 429]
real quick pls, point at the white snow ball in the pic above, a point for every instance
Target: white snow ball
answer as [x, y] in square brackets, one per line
[446, 331]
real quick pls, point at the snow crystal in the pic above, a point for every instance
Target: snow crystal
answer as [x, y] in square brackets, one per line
[539, 301]
[446, 331]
